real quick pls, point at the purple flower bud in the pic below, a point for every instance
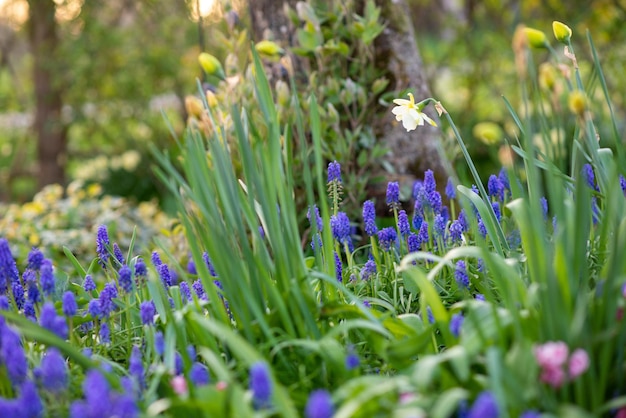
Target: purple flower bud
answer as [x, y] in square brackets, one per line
[368, 270]
[13, 355]
[450, 189]
[140, 268]
[430, 185]
[352, 360]
[496, 210]
[495, 188]
[393, 193]
[422, 234]
[54, 371]
[18, 294]
[199, 374]
[88, 284]
[260, 385]
[159, 343]
[8, 268]
[51, 321]
[106, 299]
[456, 231]
[4, 303]
[387, 238]
[485, 406]
[156, 259]
[34, 259]
[29, 311]
[47, 278]
[319, 405]
[338, 267]
[403, 223]
[102, 244]
[318, 219]
[504, 179]
[439, 226]
[117, 252]
[369, 218]
[136, 369]
[29, 402]
[105, 333]
[147, 312]
[456, 322]
[340, 225]
[94, 308]
[413, 243]
[185, 292]
[69, 304]
[334, 172]
[589, 176]
[199, 290]
[209, 264]
[460, 274]
[125, 278]
[191, 266]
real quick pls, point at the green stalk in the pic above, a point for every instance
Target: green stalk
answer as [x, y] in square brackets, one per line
[500, 244]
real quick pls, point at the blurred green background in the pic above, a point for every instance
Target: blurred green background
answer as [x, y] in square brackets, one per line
[126, 64]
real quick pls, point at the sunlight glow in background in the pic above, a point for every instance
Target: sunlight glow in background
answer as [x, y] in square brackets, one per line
[14, 13]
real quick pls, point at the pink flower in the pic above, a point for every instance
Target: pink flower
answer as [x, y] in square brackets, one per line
[621, 413]
[179, 385]
[554, 376]
[578, 363]
[551, 355]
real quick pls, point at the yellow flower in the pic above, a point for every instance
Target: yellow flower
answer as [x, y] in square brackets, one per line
[536, 38]
[488, 133]
[269, 49]
[562, 32]
[211, 65]
[410, 114]
[577, 102]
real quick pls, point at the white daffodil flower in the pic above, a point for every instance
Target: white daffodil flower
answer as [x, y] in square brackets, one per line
[409, 113]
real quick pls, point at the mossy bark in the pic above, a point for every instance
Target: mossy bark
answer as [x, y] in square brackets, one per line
[411, 153]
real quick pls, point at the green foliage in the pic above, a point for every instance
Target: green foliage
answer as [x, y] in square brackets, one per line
[58, 217]
[467, 316]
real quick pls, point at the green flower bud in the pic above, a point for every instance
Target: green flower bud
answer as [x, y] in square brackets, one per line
[536, 38]
[562, 32]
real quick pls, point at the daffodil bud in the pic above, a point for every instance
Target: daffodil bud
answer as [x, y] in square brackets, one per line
[488, 133]
[283, 95]
[211, 99]
[536, 38]
[211, 65]
[269, 49]
[193, 106]
[562, 32]
[547, 76]
[577, 102]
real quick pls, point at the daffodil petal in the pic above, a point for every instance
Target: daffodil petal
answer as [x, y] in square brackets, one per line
[409, 124]
[429, 120]
[402, 102]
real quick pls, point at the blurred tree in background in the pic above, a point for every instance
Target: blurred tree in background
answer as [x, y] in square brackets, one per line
[117, 65]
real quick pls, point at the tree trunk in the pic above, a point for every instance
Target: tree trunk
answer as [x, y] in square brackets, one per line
[411, 153]
[50, 131]
[269, 21]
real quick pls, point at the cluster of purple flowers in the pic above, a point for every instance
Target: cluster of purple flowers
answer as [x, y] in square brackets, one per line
[39, 296]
